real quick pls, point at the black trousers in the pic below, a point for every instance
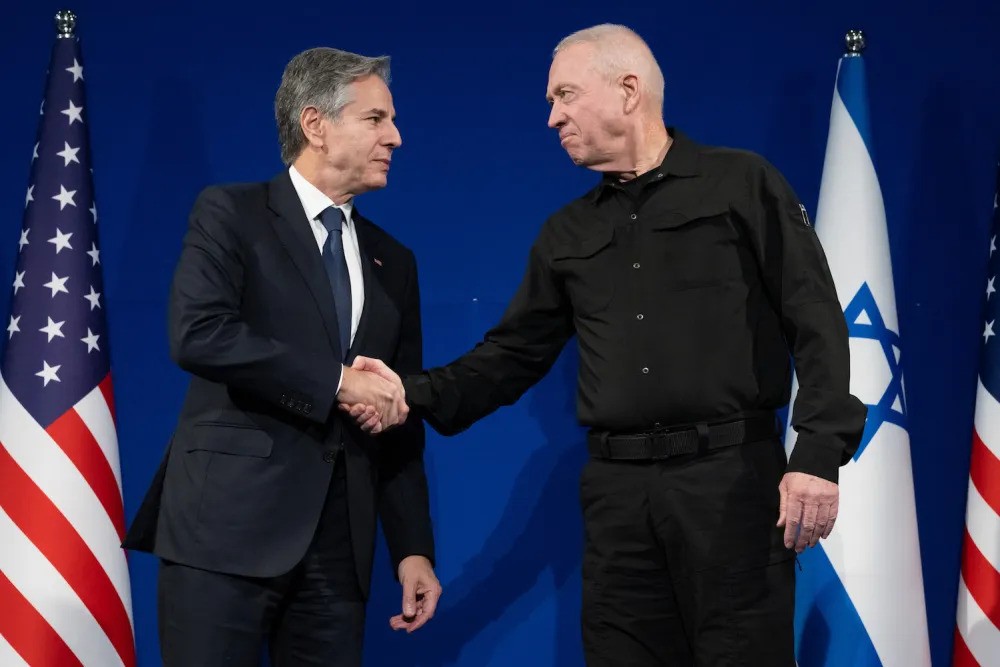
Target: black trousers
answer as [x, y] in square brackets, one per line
[313, 615]
[683, 565]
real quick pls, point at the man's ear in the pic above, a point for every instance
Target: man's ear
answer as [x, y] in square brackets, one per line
[631, 92]
[311, 122]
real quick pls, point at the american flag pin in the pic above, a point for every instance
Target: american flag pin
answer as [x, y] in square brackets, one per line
[377, 261]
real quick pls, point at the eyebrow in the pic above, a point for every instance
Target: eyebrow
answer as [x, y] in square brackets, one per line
[556, 88]
[375, 111]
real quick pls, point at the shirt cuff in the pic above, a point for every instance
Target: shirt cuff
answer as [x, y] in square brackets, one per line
[817, 455]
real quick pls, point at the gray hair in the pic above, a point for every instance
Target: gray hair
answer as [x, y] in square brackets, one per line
[319, 78]
[620, 50]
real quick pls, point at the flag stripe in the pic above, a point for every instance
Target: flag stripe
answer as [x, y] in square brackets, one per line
[981, 579]
[981, 637]
[96, 414]
[58, 479]
[73, 437]
[109, 396]
[55, 537]
[39, 582]
[983, 525]
[28, 633]
[852, 88]
[963, 656]
[987, 419]
[984, 471]
[8, 656]
[830, 631]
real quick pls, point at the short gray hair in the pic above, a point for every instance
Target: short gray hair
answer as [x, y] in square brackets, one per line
[619, 49]
[320, 78]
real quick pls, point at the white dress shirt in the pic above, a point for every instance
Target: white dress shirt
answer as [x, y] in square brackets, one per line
[314, 203]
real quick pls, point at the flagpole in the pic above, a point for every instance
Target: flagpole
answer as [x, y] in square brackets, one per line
[856, 43]
[65, 24]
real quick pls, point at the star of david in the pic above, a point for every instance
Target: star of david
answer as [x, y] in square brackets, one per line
[864, 320]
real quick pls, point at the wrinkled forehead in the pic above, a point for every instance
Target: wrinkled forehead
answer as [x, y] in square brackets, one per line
[572, 65]
[370, 92]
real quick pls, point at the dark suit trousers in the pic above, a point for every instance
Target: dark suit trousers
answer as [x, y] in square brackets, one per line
[312, 615]
[683, 564]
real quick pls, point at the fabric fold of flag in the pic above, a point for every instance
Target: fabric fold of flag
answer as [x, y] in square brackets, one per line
[977, 621]
[860, 597]
[64, 587]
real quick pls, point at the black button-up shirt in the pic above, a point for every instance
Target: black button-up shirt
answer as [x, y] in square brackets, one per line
[687, 288]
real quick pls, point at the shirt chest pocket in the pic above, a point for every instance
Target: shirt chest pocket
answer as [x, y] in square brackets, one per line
[699, 248]
[587, 269]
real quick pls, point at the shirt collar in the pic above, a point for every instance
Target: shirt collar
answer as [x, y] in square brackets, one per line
[313, 200]
[681, 160]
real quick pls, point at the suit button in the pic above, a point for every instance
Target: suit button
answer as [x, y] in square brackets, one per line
[329, 456]
[308, 408]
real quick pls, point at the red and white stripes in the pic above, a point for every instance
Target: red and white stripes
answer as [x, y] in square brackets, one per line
[64, 581]
[977, 631]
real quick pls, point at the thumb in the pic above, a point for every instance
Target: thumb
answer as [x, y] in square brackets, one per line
[360, 363]
[409, 599]
[782, 503]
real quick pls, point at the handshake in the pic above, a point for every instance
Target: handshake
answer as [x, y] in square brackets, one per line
[372, 394]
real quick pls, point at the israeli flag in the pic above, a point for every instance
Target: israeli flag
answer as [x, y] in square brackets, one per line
[860, 593]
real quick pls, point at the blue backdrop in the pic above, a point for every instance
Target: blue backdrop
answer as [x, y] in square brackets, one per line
[181, 94]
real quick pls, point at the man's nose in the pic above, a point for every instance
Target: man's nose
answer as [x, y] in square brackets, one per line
[395, 139]
[556, 117]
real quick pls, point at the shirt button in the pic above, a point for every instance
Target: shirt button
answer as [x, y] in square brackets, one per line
[645, 371]
[639, 316]
[633, 216]
[636, 265]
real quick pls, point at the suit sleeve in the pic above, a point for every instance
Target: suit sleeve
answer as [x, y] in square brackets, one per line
[208, 337]
[512, 357]
[829, 420]
[403, 498]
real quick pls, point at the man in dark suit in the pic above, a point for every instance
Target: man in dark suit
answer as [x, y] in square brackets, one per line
[263, 512]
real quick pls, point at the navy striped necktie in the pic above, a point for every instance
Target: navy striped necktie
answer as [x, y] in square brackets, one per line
[335, 262]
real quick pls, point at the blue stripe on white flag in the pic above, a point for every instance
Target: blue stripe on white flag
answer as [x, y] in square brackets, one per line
[852, 86]
[828, 630]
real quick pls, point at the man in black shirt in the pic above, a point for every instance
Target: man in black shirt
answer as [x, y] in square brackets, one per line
[688, 275]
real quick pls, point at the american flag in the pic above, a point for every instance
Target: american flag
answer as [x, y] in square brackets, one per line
[64, 587]
[977, 631]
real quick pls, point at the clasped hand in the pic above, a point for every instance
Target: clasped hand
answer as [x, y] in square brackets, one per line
[372, 394]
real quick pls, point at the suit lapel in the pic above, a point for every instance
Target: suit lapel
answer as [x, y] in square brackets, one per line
[292, 228]
[368, 246]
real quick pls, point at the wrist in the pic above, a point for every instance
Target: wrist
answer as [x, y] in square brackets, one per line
[340, 381]
[346, 387]
[411, 559]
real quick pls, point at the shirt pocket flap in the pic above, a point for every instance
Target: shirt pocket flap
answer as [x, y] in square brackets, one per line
[585, 247]
[674, 219]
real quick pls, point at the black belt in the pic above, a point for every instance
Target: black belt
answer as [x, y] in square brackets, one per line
[665, 443]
